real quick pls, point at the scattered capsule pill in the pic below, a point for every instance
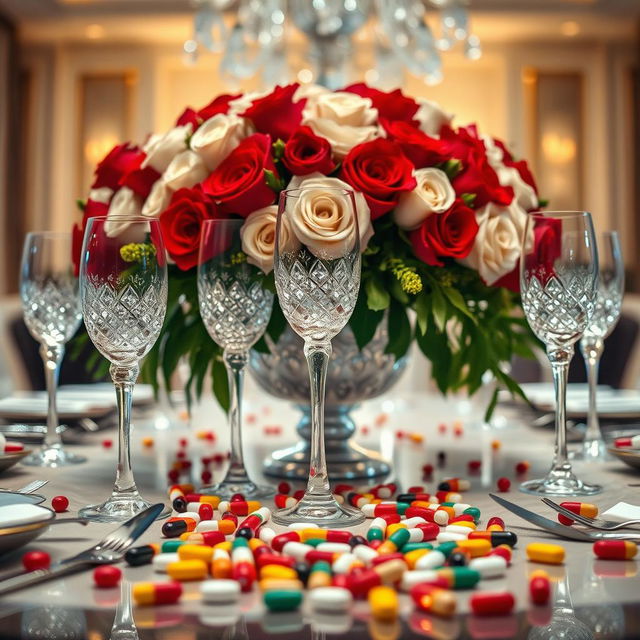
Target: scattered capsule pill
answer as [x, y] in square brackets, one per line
[33, 560]
[147, 442]
[148, 593]
[434, 600]
[330, 599]
[539, 587]
[186, 570]
[60, 503]
[503, 484]
[220, 591]
[282, 600]
[106, 576]
[545, 553]
[633, 442]
[615, 549]
[580, 508]
[492, 604]
[383, 601]
[138, 556]
[454, 484]
[174, 527]
[489, 566]
[496, 537]
[522, 467]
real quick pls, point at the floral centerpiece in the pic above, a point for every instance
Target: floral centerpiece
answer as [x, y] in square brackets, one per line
[441, 213]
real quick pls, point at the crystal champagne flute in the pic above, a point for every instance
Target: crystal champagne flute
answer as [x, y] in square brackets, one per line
[317, 272]
[604, 319]
[51, 307]
[123, 288]
[558, 281]
[235, 309]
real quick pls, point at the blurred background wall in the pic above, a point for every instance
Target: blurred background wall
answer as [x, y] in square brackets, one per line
[557, 80]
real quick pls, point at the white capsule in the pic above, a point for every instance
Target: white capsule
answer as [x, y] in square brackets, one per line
[175, 493]
[207, 525]
[416, 535]
[264, 513]
[332, 599]
[454, 528]
[266, 534]
[298, 526]
[343, 563]
[191, 514]
[242, 554]
[411, 523]
[432, 560]
[220, 591]
[191, 507]
[338, 498]
[364, 553]
[223, 506]
[441, 518]
[297, 550]
[409, 578]
[378, 523]
[161, 561]
[460, 507]
[449, 537]
[489, 566]
[220, 554]
[334, 547]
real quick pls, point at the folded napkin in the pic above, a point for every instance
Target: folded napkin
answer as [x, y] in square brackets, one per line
[15, 515]
[622, 511]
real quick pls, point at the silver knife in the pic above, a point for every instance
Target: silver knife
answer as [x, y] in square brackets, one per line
[559, 529]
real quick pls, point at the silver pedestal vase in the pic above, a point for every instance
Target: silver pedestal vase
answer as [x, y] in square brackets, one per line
[353, 376]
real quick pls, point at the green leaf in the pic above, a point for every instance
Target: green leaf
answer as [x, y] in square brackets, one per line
[81, 204]
[278, 149]
[364, 321]
[220, 383]
[456, 299]
[452, 167]
[423, 310]
[378, 297]
[277, 322]
[272, 181]
[468, 198]
[542, 202]
[399, 329]
[492, 405]
[439, 308]
[261, 346]
[435, 346]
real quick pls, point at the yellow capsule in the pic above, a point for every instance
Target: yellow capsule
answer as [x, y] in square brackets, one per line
[545, 553]
[495, 527]
[319, 579]
[278, 571]
[416, 437]
[185, 535]
[465, 523]
[195, 552]
[225, 546]
[394, 527]
[413, 556]
[476, 547]
[310, 534]
[276, 584]
[383, 601]
[369, 496]
[185, 570]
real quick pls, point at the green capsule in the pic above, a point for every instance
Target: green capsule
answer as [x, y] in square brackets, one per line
[412, 546]
[446, 548]
[281, 600]
[375, 534]
[321, 565]
[239, 542]
[399, 537]
[474, 512]
[171, 546]
[401, 507]
[460, 577]
[314, 542]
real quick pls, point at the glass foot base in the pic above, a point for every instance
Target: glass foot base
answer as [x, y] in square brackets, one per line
[118, 509]
[52, 457]
[567, 485]
[321, 511]
[591, 450]
[227, 488]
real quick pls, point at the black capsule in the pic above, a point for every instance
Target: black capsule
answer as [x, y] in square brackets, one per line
[180, 504]
[137, 556]
[457, 559]
[406, 497]
[244, 532]
[444, 486]
[303, 570]
[442, 458]
[174, 528]
[356, 540]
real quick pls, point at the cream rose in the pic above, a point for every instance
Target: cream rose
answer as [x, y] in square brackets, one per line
[185, 170]
[431, 117]
[103, 195]
[157, 200]
[216, 138]
[344, 119]
[124, 203]
[161, 150]
[523, 193]
[320, 217]
[309, 92]
[433, 194]
[258, 235]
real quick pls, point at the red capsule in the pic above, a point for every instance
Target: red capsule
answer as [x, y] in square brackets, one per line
[229, 515]
[495, 522]
[386, 557]
[539, 587]
[615, 549]
[474, 465]
[282, 501]
[580, 508]
[281, 539]
[503, 484]
[106, 576]
[492, 604]
[271, 558]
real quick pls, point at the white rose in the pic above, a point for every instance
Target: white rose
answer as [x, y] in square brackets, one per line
[433, 194]
[157, 200]
[524, 194]
[258, 235]
[185, 170]
[320, 218]
[497, 245]
[344, 119]
[240, 105]
[216, 138]
[124, 203]
[495, 155]
[103, 195]
[431, 117]
[309, 92]
[161, 150]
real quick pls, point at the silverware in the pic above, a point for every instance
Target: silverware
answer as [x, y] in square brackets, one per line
[596, 523]
[28, 488]
[109, 550]
[559, 529]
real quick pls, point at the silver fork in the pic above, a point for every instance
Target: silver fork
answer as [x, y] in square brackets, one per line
[594, 523]
[109, 550]
[28, 488]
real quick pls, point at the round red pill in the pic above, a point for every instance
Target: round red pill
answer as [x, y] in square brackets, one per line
[106, 576]
[183, 442]
[522, 467]
[173, 475]
[237, 497]
[60, 503]
[33, 560]
[504, 484]
[107, 444]
[539, 587]
[492, 604]
[474, 465]
[400, 434]
[284, 487]
[205, 511]
[427, 469]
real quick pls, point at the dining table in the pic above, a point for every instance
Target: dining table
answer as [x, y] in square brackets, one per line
[591, 597]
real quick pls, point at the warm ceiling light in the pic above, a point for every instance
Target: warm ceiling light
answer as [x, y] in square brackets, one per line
[94, 31]
[570, 28]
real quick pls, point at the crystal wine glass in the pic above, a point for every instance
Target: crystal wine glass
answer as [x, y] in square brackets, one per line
[51, 306]
[123, 288]
[317, 273]
[605, 318]
[235, 309]
[559, 282]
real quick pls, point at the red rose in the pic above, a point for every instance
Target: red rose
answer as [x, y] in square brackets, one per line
[479, 178]
[445, 235]
[381, 172]
[305, 153]
[92, 209]
[216, 106]
[238, 184]
[188, 116]
[276, 114]
[140, 181]
[118, 162]
[181, 223]
[392, 105]
[421, 149]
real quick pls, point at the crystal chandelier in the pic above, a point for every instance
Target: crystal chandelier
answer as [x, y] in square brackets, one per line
[330, 41]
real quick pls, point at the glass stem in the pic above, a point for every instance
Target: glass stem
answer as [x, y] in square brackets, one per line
[560, 359]
[124, 378]
[52, 358]
[592, 353]
[317, 354]
[235, 364]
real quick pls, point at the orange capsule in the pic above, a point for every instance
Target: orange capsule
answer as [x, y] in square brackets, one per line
[581, 508]
[615, 549]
